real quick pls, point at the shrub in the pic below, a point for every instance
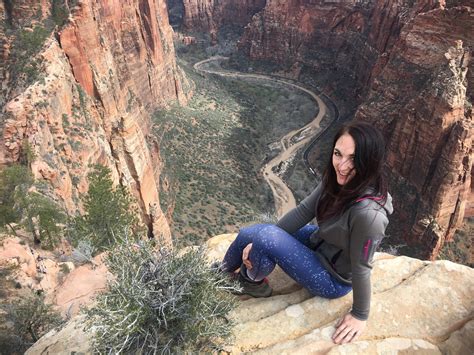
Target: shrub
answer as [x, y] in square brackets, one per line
[59, 12]
[82, 253]
[31, 318]
[161, 301]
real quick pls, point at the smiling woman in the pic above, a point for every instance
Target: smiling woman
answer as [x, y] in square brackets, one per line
[351, 207]
[343, 159]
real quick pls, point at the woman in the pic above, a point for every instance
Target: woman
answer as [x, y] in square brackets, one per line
[350, 205]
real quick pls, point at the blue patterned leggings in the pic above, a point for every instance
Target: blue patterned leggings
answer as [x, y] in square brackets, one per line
[272, 245]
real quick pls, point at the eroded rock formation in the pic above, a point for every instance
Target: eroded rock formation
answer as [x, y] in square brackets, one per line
[210, 15]
[407, 67]
[65, 285]
[103, 74]
[418, 306]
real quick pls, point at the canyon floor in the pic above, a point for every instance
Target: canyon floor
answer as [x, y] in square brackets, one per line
[214, 150]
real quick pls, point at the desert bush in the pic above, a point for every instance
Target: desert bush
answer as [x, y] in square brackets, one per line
[30, 319]
[82, 253]
[161, 301]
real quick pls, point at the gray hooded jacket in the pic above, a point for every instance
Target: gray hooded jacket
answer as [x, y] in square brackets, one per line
[345, 244]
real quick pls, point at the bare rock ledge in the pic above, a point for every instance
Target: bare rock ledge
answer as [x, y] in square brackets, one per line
[418, 307]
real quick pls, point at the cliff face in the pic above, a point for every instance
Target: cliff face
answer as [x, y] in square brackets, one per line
[100, 78]
[339, 42]
[427, 118]
[210, 15]
[407, 67]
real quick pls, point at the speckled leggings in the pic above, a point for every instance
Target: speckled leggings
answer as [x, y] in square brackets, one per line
[272, 245]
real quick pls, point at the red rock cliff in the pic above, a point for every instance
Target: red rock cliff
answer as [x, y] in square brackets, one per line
[102, 76]
[210, 15]
[427, 118]
[396, 61]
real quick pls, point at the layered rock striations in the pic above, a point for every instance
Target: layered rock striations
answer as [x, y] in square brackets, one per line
[429, 132]
[438, 320]
[339, 42]
[407, 66]
[102, 75]
[210, 15]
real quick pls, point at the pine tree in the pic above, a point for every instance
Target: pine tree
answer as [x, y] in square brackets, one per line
[108, 212]
[42, 218]
[15, 181]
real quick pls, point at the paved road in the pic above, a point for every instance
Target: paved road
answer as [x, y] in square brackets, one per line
[290, 142]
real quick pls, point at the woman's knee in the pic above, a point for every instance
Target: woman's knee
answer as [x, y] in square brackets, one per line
[270, 236]
[247, 234]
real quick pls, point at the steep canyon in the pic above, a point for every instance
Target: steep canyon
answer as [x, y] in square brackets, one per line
[97, 80]
[404, 66]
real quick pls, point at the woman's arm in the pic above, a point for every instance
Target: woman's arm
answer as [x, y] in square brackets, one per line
[302, 214]
[367, 230]
[366, 233]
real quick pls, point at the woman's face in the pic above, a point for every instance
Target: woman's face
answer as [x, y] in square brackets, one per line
[343, 159]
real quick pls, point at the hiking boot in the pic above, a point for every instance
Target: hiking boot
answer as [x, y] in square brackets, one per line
[252, 288]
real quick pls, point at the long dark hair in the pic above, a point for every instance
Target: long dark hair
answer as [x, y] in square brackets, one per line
[368, 165]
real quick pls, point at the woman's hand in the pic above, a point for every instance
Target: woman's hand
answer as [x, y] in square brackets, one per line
[348, 329]
[245, 256]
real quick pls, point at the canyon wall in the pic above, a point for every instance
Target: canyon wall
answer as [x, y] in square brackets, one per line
[427, 119]
[100, 78]
[407, 67]
[210, 15]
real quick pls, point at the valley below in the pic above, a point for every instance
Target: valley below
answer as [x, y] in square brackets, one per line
[229, 151]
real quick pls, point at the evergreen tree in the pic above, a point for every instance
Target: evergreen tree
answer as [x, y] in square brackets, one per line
[15, 181]
[108, 212]
[41, 218]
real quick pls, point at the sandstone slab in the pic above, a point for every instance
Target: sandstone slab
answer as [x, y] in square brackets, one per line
[418, 307]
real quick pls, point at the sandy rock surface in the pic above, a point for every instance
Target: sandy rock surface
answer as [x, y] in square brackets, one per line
[65, 285]
[417, 307]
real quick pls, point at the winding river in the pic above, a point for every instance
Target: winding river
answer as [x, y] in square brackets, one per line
[290, 143]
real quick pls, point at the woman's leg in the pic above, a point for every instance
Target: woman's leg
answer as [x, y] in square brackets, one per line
[233, 256]
[272, 245]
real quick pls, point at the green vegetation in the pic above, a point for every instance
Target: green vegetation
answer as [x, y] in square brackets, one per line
[215, 147]
[161, 302]
[108, 213]
[28, 36]
[30, 318]
[19, 205]
[43, 218]
[26, 46]
[14, 184]
[60, 11]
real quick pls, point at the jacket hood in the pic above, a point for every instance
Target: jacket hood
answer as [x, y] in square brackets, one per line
[388, 205]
